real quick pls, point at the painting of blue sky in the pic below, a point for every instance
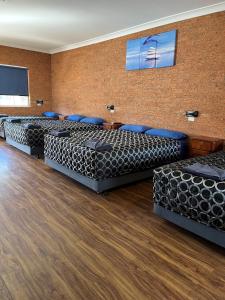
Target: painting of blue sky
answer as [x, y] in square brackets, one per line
[154, 51]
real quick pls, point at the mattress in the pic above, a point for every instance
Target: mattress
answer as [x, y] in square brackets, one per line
[35, 137]
[195, 197]
[131, 152]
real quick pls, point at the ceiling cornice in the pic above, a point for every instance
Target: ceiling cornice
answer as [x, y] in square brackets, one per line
[152, 24]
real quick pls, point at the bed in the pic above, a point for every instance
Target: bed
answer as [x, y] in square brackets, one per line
[132, 158]
[31, 141]
[192, 202]
[3, 119]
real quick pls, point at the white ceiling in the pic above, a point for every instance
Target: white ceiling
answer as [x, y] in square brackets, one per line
[52, 25]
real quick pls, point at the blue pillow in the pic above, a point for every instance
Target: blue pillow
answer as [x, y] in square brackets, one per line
[92, 120]
[75, 118]
[176, 135]
[50, 114]
[134, 128]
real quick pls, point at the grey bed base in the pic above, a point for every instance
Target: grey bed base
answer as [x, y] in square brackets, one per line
[209, 233]
[103, 185]
[39, 151]
[2, 134]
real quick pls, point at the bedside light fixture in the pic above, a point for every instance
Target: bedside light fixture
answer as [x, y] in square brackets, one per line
[111, 108]
[191, 115]
[39, 102]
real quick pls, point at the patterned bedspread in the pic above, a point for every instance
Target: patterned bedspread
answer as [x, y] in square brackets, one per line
[35, 137]
[131, 152]
[195, 197]
[27, 118]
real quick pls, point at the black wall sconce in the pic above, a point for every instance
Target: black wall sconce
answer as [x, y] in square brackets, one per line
[111, 108]
[191, 115]
[39, 102]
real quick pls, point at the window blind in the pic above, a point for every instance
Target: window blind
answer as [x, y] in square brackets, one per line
[13, 81]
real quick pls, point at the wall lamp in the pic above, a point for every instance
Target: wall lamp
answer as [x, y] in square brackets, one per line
[191, 115]
[39, 102]
[111, 108]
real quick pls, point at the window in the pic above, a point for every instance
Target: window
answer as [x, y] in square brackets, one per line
[6, 100]
[13, 86]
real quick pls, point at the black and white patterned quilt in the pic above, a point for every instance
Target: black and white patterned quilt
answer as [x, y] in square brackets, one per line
[131, 152]
[35, 137]
[24, 118]
[195, 197]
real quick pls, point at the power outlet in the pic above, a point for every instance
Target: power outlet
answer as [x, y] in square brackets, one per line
[191, 119]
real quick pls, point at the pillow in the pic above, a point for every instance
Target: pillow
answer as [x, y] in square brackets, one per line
[134, 128]
[50, 114]
[171, 134]
[92, 120]
[75, 118]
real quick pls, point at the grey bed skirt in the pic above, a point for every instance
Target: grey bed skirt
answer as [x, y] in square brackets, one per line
[2, 134]
[25, 148]
[209, 233]
[101, 185]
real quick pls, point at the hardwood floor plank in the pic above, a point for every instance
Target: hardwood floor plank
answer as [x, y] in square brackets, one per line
[59, 240]
[4, 292]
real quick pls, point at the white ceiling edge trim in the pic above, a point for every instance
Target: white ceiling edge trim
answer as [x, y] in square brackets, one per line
[152, 24]
[12, 45]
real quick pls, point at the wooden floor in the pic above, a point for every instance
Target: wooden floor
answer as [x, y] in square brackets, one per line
[59, 240]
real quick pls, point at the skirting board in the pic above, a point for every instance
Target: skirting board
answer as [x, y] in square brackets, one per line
[209, 233]
[25, 148]
[103, 185]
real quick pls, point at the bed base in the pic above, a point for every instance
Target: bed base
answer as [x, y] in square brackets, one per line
[38, 151]
[2, 134]
[103, 185]
[209, 233]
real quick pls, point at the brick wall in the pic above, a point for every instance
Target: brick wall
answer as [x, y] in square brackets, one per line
[39, 65]
[84, 80]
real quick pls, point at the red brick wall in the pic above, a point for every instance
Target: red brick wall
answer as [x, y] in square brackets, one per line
[84, 80]
[39, 65]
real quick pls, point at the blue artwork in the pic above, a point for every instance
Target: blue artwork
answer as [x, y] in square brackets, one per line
[154, 51]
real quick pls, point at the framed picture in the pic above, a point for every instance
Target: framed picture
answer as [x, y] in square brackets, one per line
[154, 51]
